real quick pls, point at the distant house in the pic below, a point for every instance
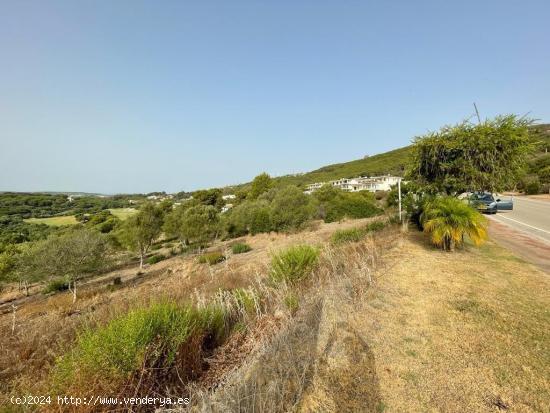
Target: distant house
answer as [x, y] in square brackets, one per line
[230, 196]
[227, 207]
[362, 183]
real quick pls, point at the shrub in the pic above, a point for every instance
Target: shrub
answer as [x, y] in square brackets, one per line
[246, 299]
[294, 263]
[240, 248]
[375, 226]
[342, 236]
[290, 209]
[249, 217]
[292, 303]
[335, 204]
[211, 258]
[149, 337]
[532, 187]
[59, 284]
[448, 220]
[155, 258]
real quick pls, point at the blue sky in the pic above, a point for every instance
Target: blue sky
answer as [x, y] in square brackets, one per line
[139, 96]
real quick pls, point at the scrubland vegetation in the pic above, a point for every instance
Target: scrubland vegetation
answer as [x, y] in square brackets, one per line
[234, 307]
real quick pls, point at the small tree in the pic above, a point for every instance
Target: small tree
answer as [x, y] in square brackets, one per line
[290, 209]
[25, 267]
[487, 156]
[211, 197]
[199, 224]
[261, 183]
[72, 256]
[142, 229]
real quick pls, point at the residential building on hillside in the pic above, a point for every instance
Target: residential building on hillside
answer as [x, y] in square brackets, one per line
[362, 183]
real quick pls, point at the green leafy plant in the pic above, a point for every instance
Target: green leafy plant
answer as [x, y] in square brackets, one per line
[56, 285]
[146, 337]
[447, 220]
[240, 248]
[294, 263]
[292, 302]
[532, 187]
[211, 258]
[490, 155]
[375, 226]
[246, 299]
[343, 236]
[155, 258]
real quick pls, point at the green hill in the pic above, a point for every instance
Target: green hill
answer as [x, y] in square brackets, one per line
[393, 162]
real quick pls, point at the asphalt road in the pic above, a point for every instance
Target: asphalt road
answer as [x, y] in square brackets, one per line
[529, 216]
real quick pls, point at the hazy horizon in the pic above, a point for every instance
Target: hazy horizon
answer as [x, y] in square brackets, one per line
[141, 96]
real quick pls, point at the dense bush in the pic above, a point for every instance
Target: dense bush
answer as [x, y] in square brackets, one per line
[150, 338]
[375, 226]
[240, 248]
[192, 223]
[211, 258]
[155, 258]
[342, 236]
[532, 187]
[59, 284]
[290, 209]
[294, 263]
[282, 209]
[248, 217]
[544, 174]
[447, 220]
[334, 204]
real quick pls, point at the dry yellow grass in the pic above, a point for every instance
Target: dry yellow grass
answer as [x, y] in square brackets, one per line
[406, 330]
[463, 332]
[46, 325]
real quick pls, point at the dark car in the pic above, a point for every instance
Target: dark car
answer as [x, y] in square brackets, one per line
[486, 202]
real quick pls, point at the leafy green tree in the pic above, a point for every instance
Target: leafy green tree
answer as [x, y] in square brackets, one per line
[212, 197]
[447, 220]
[261, 183]
[249, 217]
[173, 222]
[544, 174]
[142, 229]
[166, 205]
[487, 156]
[290, 209]
[199, 224]
[72, 256]
[8, 261]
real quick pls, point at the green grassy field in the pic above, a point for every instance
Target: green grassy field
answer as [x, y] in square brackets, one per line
[54, 221]
[123, 213]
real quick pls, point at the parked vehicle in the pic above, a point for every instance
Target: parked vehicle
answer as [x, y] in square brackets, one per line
[487, 203]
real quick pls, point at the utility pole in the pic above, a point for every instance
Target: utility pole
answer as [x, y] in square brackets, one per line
[477, 114]
[399, 190]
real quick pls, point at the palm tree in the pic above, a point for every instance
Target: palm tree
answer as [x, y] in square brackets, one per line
[448, 219]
